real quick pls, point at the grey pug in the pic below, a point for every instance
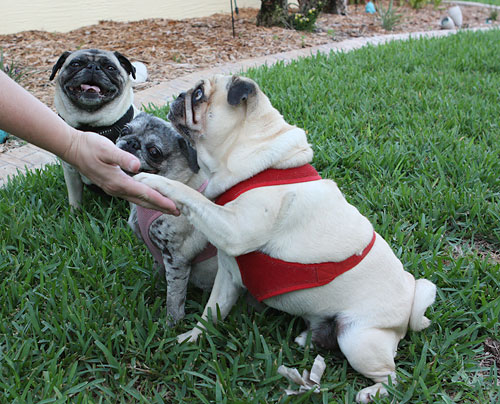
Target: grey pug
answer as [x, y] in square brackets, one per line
[180, 251]
[94, 94]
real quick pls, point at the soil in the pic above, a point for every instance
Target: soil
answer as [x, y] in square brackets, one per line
[172, 48]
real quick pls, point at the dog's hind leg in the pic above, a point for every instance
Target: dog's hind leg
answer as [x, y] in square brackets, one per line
[324, 332]
[371, 352]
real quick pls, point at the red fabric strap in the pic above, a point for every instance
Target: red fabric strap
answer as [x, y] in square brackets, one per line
[271, 176]
[265, 276]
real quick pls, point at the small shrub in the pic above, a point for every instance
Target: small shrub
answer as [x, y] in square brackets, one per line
[305, 21]
[417, 4]
[13, 70]
[388, 16]
[494, 14]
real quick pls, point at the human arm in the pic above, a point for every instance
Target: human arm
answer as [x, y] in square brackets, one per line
[96, 157]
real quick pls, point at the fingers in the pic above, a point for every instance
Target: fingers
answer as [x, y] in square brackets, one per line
[141, 194]
[102, 162]
[125, 160]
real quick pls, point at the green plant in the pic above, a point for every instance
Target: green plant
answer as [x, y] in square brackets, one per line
[177, 58]
[417, 4]
[13, 70]
[306, 20]
[388, 16]
[493, 14]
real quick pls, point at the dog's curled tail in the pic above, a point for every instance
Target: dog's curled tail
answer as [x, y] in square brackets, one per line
[425, 294]
[141, 73]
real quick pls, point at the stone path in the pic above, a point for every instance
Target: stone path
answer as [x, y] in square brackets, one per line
[30, 157]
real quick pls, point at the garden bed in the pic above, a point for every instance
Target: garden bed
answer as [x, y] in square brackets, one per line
[173, 48]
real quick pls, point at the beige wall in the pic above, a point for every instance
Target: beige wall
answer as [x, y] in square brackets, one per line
[65, 15]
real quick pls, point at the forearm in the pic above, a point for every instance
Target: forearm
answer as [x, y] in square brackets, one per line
[36, 123]
[93, 155]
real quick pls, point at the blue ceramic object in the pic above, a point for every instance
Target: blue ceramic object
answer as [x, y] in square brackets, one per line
[3, 136]
[370, 8]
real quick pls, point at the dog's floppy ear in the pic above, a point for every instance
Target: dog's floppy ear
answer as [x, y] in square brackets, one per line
[239, 91]
[190, 153]
[59, 64]
[127, 65]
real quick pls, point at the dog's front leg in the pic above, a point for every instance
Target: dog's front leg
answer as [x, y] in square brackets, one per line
[177, 276]
[74, 185]
[244, 226]
[226, 290]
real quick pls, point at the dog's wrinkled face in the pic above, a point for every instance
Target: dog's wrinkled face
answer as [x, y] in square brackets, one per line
[160, 149]
[92, 78]
[214, 106]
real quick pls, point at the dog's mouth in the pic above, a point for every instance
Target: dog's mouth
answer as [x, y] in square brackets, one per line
[89, 89]
[142, 170]
[90, 95]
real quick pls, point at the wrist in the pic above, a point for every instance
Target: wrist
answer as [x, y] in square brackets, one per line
[69, 148]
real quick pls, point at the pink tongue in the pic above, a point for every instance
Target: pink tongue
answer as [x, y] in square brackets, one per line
[86, 87]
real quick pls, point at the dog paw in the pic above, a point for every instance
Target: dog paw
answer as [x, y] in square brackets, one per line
[366, 395]
[172, 189]
[190, 336]
[301, 339]
[152, 180]
[163, 185]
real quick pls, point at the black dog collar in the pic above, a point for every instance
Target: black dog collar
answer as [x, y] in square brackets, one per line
[112, 132]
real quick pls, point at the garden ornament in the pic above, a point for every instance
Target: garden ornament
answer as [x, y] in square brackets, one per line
[456, 15]
[447, 23]
[3, 136]
[370, 8]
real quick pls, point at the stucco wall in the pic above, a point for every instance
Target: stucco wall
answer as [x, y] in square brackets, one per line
[65, 15]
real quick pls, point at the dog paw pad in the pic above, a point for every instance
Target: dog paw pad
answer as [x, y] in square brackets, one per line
[365, 395]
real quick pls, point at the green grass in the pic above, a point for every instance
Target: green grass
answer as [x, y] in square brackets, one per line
[494, 2]
[411, 133]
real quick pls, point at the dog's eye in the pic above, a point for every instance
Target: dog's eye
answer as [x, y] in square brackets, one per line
[111, 68]
[154, 152]
[75, 64]
[198, 94]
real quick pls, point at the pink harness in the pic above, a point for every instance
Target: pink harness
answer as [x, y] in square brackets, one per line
[145, 217]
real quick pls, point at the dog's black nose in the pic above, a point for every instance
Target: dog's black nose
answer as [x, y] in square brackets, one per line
[93, 66]
[134, 144]
[129, 145]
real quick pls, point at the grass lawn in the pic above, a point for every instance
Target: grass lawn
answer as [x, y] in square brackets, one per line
[493, 2]
[411, 133]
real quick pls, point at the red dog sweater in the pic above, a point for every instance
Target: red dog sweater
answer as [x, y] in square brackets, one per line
[265, 276]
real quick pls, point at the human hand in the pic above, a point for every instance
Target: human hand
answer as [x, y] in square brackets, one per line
[100, 160]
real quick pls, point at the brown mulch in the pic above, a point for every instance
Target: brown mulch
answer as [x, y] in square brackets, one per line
[172, 48]
[490, 357]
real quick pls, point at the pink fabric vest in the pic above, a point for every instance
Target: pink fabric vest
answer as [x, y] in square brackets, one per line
[145, 217]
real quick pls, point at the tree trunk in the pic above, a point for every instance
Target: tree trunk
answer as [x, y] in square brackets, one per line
[335, 7]
[306, 5]
[273, 13]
